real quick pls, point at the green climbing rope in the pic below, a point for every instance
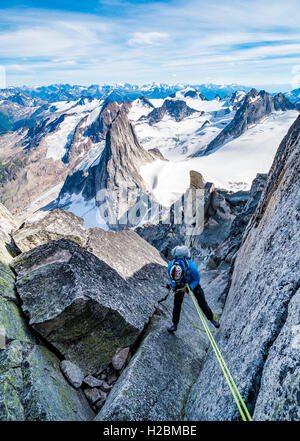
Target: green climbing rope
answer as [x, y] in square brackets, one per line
[232, 386]
[190, 321]
[193, 324]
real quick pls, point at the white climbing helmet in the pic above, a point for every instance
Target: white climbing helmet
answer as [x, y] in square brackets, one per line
[180, 251]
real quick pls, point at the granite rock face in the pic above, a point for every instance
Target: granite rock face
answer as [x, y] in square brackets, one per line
[155, 384]
[229, 247]
[116, 170]
[99, 128]
[73, 373]
[278, 397]
[127, 253]
[122, 157]
[217, 208]
[66, 302]
[79, 303]
[97, 299]
[46, 395]
[7, 221]
[31, 384]
[196, 180]
[258, 332]
[176, 109]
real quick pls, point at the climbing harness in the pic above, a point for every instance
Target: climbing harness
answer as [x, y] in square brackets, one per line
[232, 386]
[190, 321]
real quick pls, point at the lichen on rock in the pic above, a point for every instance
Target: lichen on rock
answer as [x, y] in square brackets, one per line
[81, 305]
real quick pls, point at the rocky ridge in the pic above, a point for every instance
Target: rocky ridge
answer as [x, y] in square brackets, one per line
[40, 324]
[116, 170]
[255, 106]
[32, 386]
[177, 109]
[261, 349]
[249, 268]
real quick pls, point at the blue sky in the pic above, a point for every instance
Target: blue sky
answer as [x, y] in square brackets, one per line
[254, 43]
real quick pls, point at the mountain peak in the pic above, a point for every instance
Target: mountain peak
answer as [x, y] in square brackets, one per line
[118, 165]
[174, 108]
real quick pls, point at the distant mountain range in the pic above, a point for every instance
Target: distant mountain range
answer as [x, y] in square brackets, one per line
[114, 92]
[21, 106]
[120, 91]
[73, 139]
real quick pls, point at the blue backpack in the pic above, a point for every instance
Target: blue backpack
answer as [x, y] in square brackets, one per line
[180, 271]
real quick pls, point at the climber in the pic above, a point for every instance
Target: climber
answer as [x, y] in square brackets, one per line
[182, 270]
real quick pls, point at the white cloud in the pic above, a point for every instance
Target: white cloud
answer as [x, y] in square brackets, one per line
[34, 33]
[147, 38]
[195, 40]
[51, 38]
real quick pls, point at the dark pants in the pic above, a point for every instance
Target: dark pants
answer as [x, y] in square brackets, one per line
[199, 294]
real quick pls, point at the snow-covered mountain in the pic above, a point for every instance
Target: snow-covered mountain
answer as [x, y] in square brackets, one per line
[114, 92]
[36, 159]
[181, 124]
[117, 167]
[69, 137]
[255, 107]
[259, 120]
[175, 128]
[294, 97]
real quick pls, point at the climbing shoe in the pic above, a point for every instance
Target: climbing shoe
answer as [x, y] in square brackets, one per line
[215, 323]
[173, 328]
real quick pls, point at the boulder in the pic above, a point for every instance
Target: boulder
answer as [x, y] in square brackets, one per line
[93, 394]
[92, 381]
[120, 358]
[126, 252]
[72, 372]
[83, 306]
[31, 384]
